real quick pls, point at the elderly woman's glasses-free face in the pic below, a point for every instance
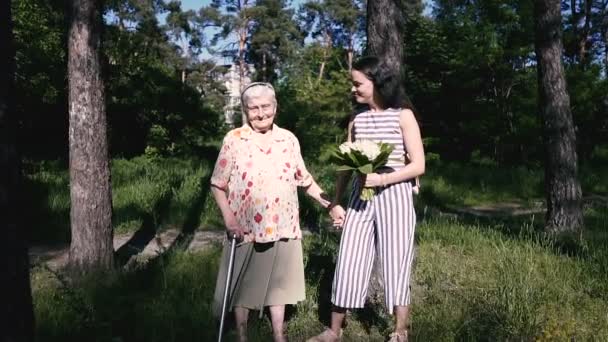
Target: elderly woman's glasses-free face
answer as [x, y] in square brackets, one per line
[264, 108]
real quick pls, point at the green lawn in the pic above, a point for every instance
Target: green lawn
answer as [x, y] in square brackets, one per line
[475, 279]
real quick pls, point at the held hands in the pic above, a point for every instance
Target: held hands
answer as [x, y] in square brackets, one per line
[337, 214]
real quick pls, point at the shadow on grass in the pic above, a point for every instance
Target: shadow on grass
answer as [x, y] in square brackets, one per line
[140, 239]
[192, 220]
[524, 227]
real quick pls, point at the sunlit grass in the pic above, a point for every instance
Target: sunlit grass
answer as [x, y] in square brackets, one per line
[491, 279]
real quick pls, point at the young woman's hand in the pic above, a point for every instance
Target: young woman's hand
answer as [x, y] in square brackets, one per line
[337, 214]
[372, 180]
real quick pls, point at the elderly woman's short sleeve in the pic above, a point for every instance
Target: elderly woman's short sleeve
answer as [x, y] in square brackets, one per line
[303, 177]
[224, 164]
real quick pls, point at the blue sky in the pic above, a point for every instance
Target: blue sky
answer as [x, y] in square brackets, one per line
[197, 4]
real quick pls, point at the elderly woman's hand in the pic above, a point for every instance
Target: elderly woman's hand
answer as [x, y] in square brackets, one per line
[233, 229]
[337, 214]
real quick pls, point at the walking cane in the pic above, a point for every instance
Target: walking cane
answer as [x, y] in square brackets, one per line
[227, 289]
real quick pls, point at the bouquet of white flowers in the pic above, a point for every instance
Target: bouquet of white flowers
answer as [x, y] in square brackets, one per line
[364, 157]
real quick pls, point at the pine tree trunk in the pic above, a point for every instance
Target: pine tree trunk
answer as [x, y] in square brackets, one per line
[242, 41]
[385, 22]
[90, 192]
[350, 51]
[16, 313]
[563, 190]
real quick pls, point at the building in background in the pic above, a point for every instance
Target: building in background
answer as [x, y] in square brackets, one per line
[232, 110]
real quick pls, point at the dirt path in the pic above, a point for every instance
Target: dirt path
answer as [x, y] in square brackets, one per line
[56, 256]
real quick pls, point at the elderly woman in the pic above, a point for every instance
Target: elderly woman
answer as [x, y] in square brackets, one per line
[255, 184]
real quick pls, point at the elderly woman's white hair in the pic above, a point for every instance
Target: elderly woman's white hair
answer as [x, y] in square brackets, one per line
[256, 90]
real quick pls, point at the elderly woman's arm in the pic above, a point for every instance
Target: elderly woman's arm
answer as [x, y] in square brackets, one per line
[315, 191]
[232, 225]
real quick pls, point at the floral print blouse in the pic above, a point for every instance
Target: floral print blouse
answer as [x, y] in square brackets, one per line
[262, 183]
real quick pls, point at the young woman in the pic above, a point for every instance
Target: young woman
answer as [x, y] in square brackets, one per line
[385, 224]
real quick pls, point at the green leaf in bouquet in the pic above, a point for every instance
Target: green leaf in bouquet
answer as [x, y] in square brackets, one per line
[366, 169]
[361, 158]
[352, 159]
[382, 159]
[338, 157]
[345, 168]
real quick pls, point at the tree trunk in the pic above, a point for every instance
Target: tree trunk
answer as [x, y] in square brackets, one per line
[16, 313]
[563, 190]
[91, 248]
[350, 51]
[584, 35]
[242, 41]
[264, 67]
[327, 45]
[385, 22]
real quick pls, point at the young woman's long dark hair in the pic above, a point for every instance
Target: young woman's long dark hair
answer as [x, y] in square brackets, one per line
[388, 83]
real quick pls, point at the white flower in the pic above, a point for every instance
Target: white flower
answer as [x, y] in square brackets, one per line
[368, 148]
[346, 147]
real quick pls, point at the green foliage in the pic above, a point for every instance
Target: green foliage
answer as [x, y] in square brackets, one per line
[475, 283]
[470, 73]
[274, 38]
[316, 111]
[170, 298]
[149, 108]
[148, 193]
[471, 281]
[40, 32]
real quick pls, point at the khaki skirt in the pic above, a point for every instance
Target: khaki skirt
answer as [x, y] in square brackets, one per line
[264, 274]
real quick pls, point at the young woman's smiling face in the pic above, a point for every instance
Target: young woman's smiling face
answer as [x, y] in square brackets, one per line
[363, 87]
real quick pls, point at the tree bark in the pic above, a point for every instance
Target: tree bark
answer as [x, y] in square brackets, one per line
[385, 23]
[243, 33]
[16, 312]
[584, 35]
[563, 190]
[91, 248]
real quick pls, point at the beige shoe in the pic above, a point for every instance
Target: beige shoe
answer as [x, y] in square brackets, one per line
[398, 337]
[326, 336]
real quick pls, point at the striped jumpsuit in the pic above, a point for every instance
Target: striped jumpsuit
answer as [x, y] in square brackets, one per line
[383, 225]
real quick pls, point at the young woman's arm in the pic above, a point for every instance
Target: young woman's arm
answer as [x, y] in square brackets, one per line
[413, 147]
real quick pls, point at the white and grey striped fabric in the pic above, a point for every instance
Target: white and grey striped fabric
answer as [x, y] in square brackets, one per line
[383, 225]
[382, 127]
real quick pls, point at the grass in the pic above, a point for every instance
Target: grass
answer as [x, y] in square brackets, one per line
[146, 193]
[474, 279]
[469, 185]
[169, 299]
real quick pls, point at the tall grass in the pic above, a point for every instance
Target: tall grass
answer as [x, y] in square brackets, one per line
[476, 283]
[146, 192]
[474, 280]
[471, 282]
[167, 300]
